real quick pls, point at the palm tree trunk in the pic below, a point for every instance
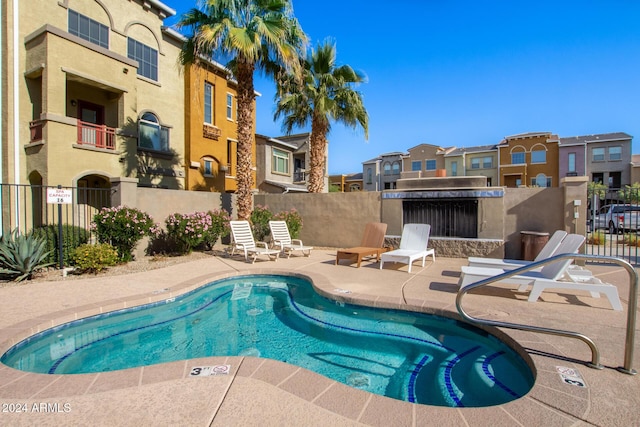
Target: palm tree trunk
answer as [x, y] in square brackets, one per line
[244, 174]
[318, 143]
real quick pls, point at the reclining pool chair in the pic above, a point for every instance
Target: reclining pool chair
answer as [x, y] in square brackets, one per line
[372, 244]
[549, 276]
[282, 239]
[413, 246]
[509, 264]
[242, 240]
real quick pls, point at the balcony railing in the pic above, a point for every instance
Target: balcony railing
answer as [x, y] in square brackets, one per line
[36, 130]
[299, 177]
[99, 136]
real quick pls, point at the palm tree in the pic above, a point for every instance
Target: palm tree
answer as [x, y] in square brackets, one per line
[255, 35]
[325, 93]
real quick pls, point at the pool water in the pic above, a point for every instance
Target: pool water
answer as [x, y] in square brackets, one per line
[409, 356]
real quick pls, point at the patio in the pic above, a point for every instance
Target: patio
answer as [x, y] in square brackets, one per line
[266, 392]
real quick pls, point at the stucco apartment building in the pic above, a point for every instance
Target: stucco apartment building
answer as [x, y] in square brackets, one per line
[211, 137]
[604, 158]
[93, 94]
[282, 163]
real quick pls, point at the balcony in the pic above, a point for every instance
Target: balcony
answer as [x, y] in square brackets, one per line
[98, 136]
[35, 129]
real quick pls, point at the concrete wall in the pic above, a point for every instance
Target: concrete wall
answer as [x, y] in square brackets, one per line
[329, 219]
[338, 219]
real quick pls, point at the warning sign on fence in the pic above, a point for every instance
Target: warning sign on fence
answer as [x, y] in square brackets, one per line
[59, 196]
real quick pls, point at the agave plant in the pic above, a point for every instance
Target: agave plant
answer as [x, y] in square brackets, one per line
[21, 256]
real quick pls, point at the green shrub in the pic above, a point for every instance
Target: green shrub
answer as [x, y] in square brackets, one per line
[22, 255]
[196, 230]
[293, 220]
[219, 226]
[123, 227]
[72, 237]
[259, 219]
[95, 258]
[597, 238]
[631, 239]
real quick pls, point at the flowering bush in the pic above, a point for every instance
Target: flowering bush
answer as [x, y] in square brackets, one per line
[123, 227]
[293, 220]
[189, 231]
[94, 258]
[260, 217]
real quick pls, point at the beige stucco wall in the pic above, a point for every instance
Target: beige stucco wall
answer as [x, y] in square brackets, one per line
[329, 219]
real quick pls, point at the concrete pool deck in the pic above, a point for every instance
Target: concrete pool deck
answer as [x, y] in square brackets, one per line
[265, 392]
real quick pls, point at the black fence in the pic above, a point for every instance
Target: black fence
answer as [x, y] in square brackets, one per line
[613, 224]
[61, 215]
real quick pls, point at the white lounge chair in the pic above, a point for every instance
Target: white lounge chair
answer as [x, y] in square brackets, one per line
[509, 264]
[282, 240]
[242, 240]
[413, 246]
[551, 276]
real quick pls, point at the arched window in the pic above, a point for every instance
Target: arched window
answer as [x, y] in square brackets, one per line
[396, 168]
[152, 135]
[387, 169]
[538, 155]
[542, 180]
[369, 176]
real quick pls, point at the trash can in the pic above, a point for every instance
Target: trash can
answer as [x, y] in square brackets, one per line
[532, 243]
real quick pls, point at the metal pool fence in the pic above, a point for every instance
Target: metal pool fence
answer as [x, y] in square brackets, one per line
[60, 215]
[613, 224]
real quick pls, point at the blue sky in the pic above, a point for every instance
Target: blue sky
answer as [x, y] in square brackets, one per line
[468, 73]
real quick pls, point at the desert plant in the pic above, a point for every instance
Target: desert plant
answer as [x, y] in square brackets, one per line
[22, 255]
[95, 258]
[72, 237]
[597, 238]
[123, 227]
[293, 220]
[260, 218]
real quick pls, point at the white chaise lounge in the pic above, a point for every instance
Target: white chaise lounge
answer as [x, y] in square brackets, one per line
[281, 239]
[243, 241]
[551, 276]
[413, 246]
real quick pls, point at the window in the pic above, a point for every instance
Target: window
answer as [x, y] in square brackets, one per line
[454, 168]
[280, 163]
[517, 158]
[229, 155]
[571, 159]
[387, 169]
[541, 180]
[208, 103]
[208, 167]
[430, 165]
[151, 135]
[416, 166]
[229, 106]
[396, 168]
[88, 29]
[487, 162]
[598, 177]
[146, 56]
[598, 154]
[539, 156]
[615, 153]
[475, 163]
[369, 176]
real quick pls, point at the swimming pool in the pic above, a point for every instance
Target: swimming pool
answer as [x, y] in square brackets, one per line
[408, 356]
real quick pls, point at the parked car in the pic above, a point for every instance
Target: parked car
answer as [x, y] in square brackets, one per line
[616, 218]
